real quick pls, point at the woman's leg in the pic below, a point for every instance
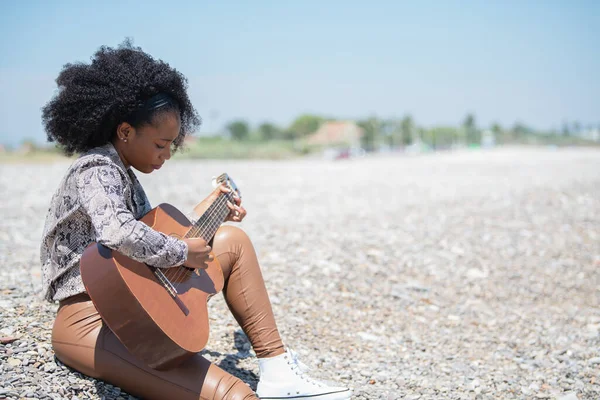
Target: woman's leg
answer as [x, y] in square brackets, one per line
[83, 342]
[245, 291]
[281, 375]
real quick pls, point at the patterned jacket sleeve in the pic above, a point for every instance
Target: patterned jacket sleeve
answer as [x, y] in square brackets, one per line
[101, 191]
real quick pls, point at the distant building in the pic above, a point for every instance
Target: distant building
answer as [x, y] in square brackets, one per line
[26, 147]
[337, 134]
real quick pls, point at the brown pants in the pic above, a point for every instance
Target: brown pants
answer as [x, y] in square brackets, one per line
[83, 342]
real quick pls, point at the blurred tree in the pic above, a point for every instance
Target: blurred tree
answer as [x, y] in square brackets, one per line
[498, 132]
[447, 136]
[287, 134]
[238, 130]
[565, 129]
[421, 133]
[519, 131]
[304, 125]
[371, 127]
[388, 130]
[407, 128]
[471, 132]
[268, 131]
[426, 136]
[496, 129]
[441, 137]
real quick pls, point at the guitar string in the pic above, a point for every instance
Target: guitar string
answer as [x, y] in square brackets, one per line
[196, 229]
[200, 231]
[209, 223]
[205, 221]
[205, 227]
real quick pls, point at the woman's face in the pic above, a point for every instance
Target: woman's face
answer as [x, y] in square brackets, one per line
[148, 147]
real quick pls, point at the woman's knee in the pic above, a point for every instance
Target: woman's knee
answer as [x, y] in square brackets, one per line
[229, 246]
[234, 241]
[230, 239]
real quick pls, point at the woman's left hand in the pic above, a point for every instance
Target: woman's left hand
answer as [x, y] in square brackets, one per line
[237, 212]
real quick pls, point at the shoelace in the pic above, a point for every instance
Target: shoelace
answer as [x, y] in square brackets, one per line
[301, 369]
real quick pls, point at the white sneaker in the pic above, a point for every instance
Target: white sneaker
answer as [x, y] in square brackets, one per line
[284, 377]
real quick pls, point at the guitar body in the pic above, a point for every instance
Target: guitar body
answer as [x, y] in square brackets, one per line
[157, 327]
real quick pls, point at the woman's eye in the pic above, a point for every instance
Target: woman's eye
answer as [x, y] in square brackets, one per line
[160, 147]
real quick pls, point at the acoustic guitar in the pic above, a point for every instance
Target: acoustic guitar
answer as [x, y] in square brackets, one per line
[159, 314]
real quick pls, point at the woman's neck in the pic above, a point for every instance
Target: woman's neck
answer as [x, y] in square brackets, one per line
[116, 144]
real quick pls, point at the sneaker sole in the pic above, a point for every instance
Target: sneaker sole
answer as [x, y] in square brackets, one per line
[343, 395]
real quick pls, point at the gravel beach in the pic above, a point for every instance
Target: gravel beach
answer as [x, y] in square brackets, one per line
[463, 275]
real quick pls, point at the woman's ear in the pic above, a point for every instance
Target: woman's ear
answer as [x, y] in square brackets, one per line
[125, 131]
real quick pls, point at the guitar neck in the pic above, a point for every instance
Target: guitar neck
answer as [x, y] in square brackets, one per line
[206, 226]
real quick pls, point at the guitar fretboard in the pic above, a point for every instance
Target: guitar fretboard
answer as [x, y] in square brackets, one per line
[211, 220]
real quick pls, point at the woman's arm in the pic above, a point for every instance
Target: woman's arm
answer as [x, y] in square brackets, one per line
[101, 189]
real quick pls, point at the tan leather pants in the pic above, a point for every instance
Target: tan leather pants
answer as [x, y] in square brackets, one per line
[83, 342]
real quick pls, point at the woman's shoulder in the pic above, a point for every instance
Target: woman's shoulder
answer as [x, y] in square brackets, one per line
[105, 157]
[98, 165]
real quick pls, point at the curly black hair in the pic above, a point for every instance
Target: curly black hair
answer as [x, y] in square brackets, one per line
[93, 99]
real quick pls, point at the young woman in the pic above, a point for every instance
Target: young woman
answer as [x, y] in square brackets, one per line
[128, 111]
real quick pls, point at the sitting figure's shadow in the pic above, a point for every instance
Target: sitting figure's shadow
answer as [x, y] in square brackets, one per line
[230, 362]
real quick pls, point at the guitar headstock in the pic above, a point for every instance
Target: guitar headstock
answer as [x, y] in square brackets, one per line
[229, 183]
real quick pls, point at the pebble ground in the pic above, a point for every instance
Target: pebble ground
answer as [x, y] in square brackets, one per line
[465, 275]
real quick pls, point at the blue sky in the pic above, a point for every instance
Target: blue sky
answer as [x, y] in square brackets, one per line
[506, 61]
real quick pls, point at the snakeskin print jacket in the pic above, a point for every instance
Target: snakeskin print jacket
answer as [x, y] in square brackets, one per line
[99, 200]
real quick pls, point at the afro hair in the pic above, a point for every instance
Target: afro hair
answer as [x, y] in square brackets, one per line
[93, 99]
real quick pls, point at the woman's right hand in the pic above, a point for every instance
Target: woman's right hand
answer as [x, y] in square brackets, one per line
[198, 253]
